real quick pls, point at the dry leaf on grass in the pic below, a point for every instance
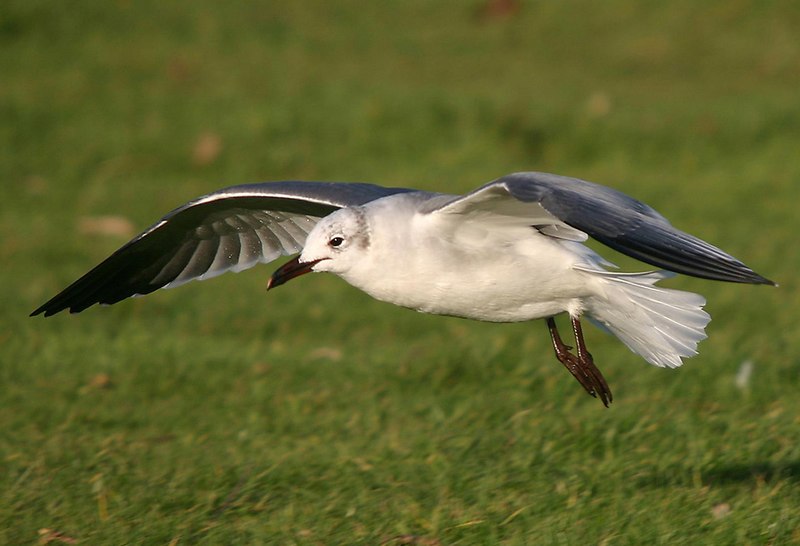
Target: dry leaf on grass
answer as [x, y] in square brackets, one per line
[498, 9]
[47, 536]
[117, 226]
[206, 149]
[414, 540]
[721, 510]
[326, 353]
[101, 381]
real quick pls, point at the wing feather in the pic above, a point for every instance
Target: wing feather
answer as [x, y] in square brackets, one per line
[229, 230]
[609, 216]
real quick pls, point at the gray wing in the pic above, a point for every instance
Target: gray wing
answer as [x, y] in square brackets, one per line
[609, 216]
[228, 230]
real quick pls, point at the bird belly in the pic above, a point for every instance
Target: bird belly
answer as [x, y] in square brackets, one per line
[524, 280]
[502, 299]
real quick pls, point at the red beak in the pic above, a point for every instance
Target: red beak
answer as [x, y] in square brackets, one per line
[290, 270]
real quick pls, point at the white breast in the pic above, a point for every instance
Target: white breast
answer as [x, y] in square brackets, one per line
[485, 273]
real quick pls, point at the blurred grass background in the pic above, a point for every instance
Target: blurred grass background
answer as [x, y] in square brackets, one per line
[218, 414]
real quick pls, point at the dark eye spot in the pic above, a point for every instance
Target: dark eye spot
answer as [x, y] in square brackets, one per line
[336, 241]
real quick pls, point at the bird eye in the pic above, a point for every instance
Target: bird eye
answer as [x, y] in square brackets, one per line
[336, 241]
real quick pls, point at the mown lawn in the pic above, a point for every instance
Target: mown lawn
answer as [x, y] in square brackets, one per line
[219, 414]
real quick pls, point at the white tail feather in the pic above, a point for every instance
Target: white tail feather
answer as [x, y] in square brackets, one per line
[660, 324]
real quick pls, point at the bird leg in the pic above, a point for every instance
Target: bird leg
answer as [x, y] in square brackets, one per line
[588, 364]
[581, 366]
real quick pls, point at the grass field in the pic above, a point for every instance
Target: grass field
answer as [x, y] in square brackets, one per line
[219, 414]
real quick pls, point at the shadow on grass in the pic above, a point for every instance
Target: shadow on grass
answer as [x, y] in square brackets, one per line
[723, 474]
[737, 473]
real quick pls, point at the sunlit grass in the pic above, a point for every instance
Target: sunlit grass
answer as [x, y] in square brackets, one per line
[218, 414]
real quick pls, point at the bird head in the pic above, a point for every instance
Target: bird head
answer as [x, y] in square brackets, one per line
[336, 244]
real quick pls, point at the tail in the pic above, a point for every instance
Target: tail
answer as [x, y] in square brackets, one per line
[660, 324]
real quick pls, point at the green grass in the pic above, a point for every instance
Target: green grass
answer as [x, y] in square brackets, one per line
[219, 414]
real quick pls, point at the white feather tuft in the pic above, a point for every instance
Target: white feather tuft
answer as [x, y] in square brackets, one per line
[660, 324]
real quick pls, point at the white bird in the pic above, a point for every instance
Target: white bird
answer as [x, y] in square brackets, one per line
[508, 251]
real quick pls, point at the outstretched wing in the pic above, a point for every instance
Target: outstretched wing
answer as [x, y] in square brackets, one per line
[568, 207]
[228, 230]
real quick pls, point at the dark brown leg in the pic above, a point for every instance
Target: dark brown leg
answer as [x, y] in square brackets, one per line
[581, 366]
[589, 368]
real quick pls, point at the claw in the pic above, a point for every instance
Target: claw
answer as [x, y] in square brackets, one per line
[581, 366]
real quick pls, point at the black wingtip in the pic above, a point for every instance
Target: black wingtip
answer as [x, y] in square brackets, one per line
[39, 311]
[45, 310]
[755, 278]
[748, 278]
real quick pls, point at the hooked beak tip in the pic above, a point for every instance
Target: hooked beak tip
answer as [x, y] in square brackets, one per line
[288, 271]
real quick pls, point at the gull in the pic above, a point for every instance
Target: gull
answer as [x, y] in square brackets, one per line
[510, 251]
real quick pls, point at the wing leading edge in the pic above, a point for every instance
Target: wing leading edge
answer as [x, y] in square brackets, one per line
[228, 230]
[616, 220]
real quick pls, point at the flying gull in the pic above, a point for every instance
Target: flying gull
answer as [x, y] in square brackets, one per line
[509, 251]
